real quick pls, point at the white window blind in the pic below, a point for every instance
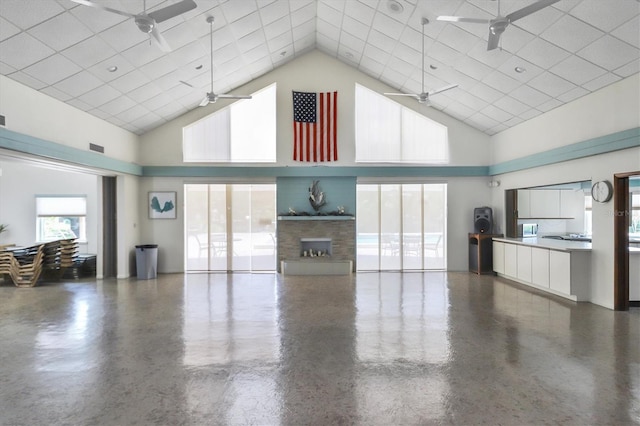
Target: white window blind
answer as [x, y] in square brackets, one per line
[61, 206]
[245, 132]
[389, 132]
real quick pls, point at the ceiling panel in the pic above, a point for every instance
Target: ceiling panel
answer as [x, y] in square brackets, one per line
[566, 51]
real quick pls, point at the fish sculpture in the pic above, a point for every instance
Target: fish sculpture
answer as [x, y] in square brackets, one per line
[316, 197]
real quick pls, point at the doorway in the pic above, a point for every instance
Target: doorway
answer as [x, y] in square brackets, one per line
[230, 227]
[404, 227]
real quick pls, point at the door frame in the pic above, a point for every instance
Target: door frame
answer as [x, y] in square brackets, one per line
[621, 217]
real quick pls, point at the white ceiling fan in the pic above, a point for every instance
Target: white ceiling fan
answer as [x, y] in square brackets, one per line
[423, 97]
[211, 96]
[147, 22]
[500, 23]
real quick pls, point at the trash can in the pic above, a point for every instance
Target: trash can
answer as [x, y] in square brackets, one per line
[146, 261]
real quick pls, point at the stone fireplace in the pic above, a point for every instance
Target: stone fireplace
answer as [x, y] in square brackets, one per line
[333, 235]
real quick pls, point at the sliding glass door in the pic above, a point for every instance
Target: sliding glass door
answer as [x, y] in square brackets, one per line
[230, 227]
[401, 226]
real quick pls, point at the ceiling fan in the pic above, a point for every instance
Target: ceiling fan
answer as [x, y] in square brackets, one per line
[147, 22]
[212, 97]
[500, 23]
[423, 97]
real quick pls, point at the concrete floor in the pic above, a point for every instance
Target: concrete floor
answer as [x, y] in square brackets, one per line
[263, 349]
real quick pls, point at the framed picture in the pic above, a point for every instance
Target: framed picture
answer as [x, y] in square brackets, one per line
[162, 205]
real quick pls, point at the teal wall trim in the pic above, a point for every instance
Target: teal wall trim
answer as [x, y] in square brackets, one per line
[314, 171]
[42, 148]
[601, 145]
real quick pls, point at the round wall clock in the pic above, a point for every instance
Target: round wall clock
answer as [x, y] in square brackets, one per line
[602, 191]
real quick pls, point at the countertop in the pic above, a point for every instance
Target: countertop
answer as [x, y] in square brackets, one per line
[548, 243]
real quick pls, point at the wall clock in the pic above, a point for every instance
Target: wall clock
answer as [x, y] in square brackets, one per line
[602, 191]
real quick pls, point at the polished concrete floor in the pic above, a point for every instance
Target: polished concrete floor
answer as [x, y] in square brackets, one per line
[263, 349]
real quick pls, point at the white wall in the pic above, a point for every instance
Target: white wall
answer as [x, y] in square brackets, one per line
[167, 233]
[463, 195]
[314, 72]
[32, 113]
[20, 182]
[609, 110]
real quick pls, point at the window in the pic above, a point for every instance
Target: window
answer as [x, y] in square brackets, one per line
[243, 132]
[389, 132]
[61, 217]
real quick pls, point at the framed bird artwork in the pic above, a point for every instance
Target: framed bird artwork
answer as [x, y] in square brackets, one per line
[162, 205]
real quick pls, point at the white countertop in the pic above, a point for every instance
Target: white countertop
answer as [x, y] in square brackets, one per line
[548, 243]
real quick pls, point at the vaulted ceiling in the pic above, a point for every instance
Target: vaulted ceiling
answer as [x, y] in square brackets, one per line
[566, 50]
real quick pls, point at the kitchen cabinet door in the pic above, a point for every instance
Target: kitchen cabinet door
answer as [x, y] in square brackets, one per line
[524, 263]
[524, 204]
[572, 204]
[498, 257]
[511, 260]
[540, 267]
[545, 203]
[560, 271]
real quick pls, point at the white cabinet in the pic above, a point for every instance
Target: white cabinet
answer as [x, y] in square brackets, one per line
[511, 260]
[524, 203]
[560, 271]
[540, 267]
[564, 273]
[545, 203]
[524, 263]
[572, 205]
[498, 257]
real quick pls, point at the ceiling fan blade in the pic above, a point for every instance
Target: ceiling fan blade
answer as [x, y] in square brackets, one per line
[401, 94]
[160, 41]
[461, 19]
[172, 10]
[443, 89]
[230, 96]
[494, 39]
[528, 10]
[205, 101]
[99, 6]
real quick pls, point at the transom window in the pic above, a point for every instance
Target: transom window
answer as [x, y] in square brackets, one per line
[243, 132]
[387, 132]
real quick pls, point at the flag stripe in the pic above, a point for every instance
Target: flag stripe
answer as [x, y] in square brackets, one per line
[335, 129]
[321, 119]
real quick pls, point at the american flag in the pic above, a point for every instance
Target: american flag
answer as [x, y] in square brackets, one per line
[314, 126]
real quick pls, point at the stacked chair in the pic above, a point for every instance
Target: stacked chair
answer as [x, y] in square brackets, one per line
[26, 265]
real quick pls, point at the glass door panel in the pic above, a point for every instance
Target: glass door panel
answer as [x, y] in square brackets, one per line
[412, 226]
[368, 225]
[263, 228]
[391, 226]
[435, 224]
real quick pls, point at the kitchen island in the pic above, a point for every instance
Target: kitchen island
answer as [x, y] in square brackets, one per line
[556, 266]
